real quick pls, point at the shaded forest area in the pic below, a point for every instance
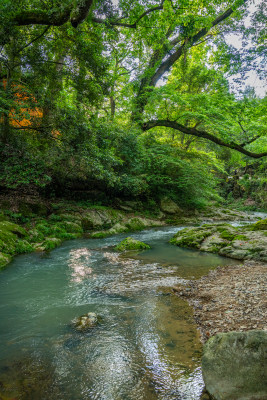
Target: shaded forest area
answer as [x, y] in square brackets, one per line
[131, 99]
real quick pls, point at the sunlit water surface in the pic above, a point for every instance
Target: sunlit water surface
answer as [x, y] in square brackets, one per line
[147, 346]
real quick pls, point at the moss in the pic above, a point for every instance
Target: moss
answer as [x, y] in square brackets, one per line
[7, 244]
[51, 243]
[227, 235]
[23, 246]
[117, 228]
[7, 226]
[135, 224]
[35, 235]
[4, 260]
[241, 237]
[213, 249]
[100, 235]
[61, 230]
[192, 237]
[70, 227]
[131, 244]
[260, 225]
[76, 218]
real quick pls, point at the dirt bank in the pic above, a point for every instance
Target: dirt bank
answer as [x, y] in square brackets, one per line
[232, 298]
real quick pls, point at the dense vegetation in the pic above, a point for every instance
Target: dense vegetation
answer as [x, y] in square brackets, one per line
[132, 99]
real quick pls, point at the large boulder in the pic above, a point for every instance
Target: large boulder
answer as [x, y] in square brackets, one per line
[168, 206]
[234, 366]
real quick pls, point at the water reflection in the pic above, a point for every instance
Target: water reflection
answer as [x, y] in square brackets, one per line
[78, 261]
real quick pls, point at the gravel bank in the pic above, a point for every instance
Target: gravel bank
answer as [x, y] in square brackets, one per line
[232, 298]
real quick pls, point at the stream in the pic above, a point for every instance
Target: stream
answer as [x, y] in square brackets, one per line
[146, 347]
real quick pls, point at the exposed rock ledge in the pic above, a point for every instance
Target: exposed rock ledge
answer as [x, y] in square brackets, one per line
[243, 243]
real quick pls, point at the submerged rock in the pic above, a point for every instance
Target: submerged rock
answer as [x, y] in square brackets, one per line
[234, 366]
[86, 321]
[131, 244]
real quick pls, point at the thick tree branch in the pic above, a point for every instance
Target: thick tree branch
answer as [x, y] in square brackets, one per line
[188, 42]
[202, 134]
[75, 13]
[156, 68]
[41, 17]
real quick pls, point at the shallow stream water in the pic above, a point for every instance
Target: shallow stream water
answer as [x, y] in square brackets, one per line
[147, 345]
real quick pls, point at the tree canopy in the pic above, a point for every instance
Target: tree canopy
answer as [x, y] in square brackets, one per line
[88, 83]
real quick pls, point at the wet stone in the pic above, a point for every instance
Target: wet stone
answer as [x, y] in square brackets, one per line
[86, 321]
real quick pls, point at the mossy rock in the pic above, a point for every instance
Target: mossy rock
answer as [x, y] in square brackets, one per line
[131, 244]
[61, 230]
[71, 227]
[91, 220]
[23, 246]
[9, 233]
[226, 234]
[260, 225]
[234, 365]
[100, 234]
[75, 217]
[48, 244]
[35, 235]
[7, 226]
[8, 244]
[4, 260]
[135, 224]
[117, 228]
[192, 237]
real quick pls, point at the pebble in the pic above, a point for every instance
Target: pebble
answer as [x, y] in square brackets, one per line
[231, 298]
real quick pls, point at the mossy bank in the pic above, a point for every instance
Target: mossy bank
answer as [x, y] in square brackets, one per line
[248, 242]
[43, 233]
[29, 223]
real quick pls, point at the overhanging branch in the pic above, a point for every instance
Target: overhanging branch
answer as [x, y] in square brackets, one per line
[75, 13]
[202, 134]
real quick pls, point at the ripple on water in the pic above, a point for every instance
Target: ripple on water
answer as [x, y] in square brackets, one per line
[147, 346]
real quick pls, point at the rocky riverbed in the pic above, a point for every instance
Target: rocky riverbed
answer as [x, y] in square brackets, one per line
[232, 298]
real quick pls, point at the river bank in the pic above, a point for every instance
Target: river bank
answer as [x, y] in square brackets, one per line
[29, 224]
[230, 298]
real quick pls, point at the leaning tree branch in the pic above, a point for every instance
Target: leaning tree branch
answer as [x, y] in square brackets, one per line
[202, 134]
[189, 41]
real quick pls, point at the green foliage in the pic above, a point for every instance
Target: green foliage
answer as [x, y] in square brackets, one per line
[23, 246]
[76, 88]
